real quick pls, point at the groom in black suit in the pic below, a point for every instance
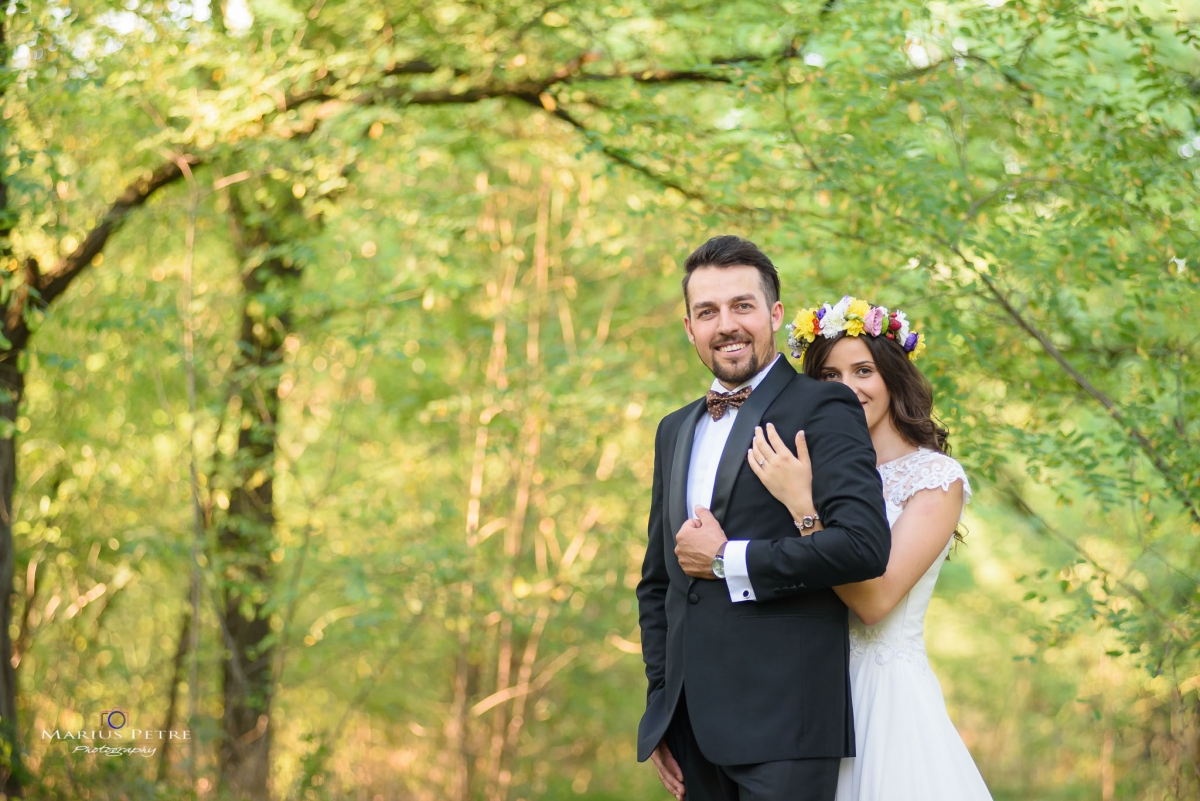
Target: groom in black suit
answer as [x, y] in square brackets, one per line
[745, 643]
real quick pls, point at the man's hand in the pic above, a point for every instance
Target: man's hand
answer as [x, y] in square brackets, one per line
[668, 770]
[697, 543]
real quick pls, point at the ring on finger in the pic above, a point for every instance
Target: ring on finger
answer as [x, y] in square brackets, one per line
[762, 462]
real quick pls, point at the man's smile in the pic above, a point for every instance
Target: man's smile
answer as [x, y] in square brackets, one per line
[732, 347]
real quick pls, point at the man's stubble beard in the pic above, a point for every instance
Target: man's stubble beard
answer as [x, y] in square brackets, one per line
[735, 375]
[738, 375]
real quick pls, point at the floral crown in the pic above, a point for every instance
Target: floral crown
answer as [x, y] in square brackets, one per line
[855, 317]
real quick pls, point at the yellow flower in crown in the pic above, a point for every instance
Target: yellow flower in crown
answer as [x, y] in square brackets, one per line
[806, 326]
[856, 313]
[802, 331]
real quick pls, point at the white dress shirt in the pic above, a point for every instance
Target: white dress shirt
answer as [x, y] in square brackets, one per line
[708, 444]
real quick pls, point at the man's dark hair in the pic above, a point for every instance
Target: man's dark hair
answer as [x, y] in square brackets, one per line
[732, 251]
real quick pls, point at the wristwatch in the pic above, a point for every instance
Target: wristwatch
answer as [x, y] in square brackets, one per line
[807, 522]
[718, 566]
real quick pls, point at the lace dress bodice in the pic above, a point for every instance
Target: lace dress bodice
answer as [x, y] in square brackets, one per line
[901, 635]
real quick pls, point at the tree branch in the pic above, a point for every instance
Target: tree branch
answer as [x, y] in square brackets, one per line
[613, 153]
[56, 280]
[1110, 406]
[1014, 496]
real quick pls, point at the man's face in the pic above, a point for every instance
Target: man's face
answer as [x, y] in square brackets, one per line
[731, 324]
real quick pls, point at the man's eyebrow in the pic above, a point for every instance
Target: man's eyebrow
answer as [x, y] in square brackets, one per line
[709, 303]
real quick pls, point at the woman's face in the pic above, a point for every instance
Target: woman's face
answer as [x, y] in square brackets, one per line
[851, 363]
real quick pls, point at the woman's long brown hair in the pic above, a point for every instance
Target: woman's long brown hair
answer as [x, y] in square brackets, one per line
[911, 394]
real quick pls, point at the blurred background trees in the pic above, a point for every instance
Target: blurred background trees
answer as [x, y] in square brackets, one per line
[336, 333]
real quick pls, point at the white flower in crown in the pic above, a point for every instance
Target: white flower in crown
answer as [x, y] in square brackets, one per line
[902, 334]
[834, 319]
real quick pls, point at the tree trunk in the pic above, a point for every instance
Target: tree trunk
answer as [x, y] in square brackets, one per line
[181, 649]
[246, 539]
[12, 386]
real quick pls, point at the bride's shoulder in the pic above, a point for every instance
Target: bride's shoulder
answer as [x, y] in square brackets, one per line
[922, 469]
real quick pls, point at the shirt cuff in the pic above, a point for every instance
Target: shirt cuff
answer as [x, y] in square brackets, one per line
[737, 577]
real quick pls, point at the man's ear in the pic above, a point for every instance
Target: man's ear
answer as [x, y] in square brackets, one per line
[687, 326]
[777, 316]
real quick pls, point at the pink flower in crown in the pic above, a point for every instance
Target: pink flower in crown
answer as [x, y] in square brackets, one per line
[873, 321]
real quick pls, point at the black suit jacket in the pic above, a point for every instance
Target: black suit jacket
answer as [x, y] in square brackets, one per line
[767, 679]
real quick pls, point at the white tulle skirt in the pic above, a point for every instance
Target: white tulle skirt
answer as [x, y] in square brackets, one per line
[908, 750]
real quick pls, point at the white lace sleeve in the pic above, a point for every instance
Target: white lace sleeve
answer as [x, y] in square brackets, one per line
[922, 470]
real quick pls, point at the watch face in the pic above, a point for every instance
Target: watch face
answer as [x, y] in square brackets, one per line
[718, 567]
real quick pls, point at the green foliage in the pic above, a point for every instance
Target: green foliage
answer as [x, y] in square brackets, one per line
[481, 211]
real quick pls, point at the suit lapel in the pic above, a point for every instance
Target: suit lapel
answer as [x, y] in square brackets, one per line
[677, 488]
[742, 434]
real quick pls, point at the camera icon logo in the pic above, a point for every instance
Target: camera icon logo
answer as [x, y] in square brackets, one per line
[113, 718]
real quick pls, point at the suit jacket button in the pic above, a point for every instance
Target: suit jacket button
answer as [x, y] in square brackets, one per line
[693, 598]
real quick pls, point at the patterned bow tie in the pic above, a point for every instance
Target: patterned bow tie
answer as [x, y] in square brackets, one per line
[720, 402]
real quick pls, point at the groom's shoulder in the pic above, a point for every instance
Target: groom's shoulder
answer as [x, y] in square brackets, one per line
[802, 382]
[669, 426]
[821, 392]
[675, 419]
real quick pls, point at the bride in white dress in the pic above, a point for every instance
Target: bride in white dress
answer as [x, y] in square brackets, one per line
[907, 748]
